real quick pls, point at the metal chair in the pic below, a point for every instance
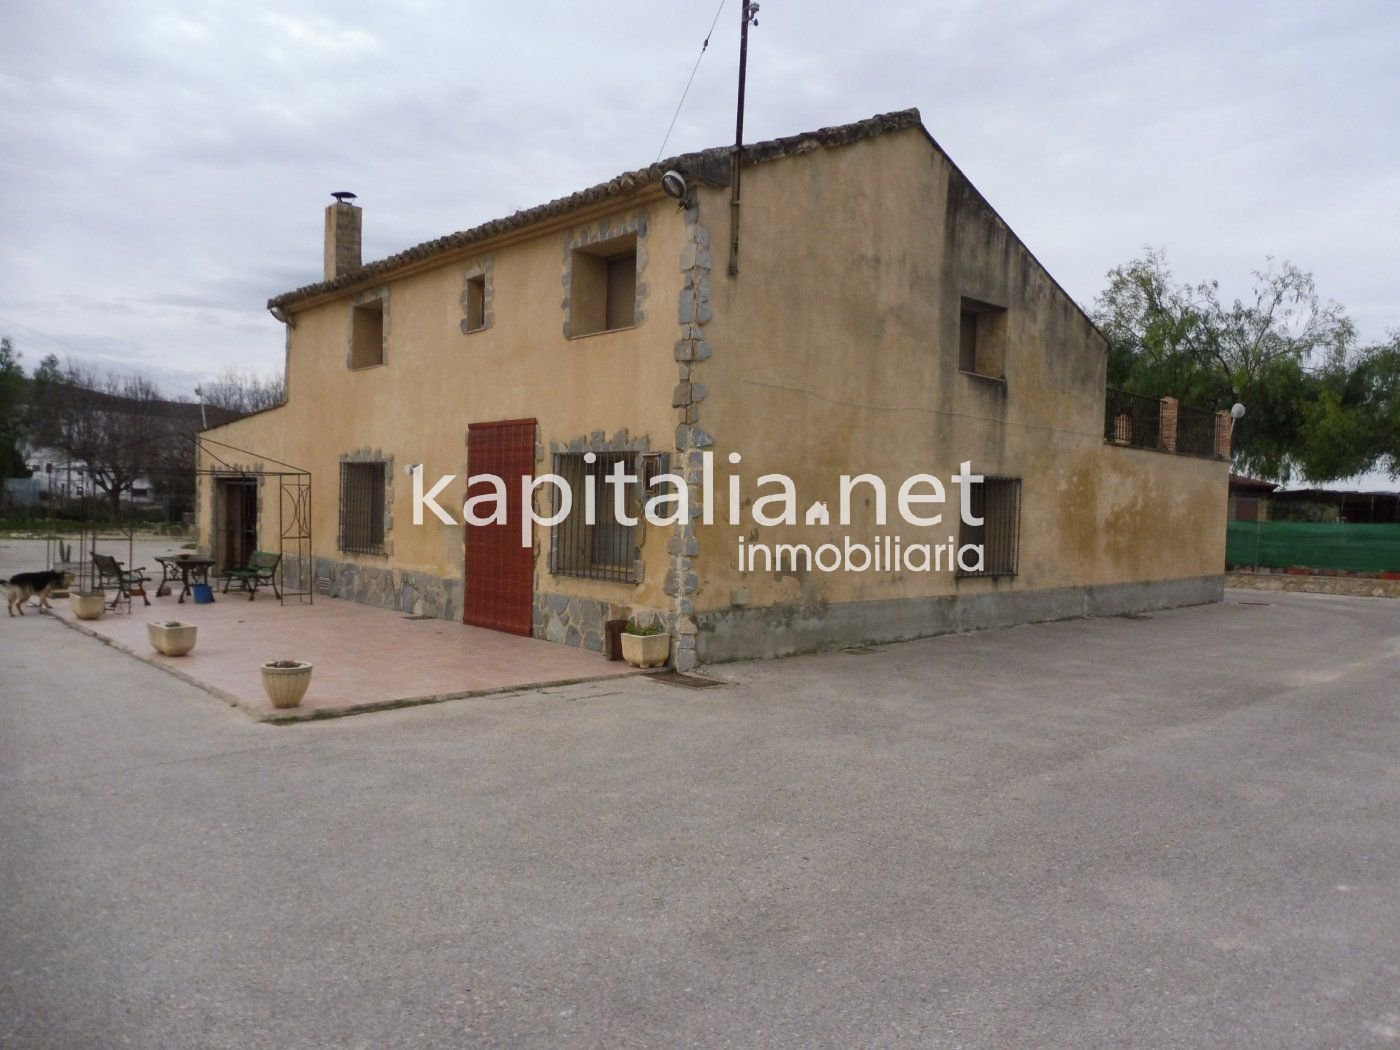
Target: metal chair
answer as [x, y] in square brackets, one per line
[128, 582]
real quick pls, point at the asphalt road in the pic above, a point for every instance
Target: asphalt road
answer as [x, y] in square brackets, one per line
[1174, 831]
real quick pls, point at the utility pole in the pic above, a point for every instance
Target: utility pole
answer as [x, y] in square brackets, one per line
[748, 14]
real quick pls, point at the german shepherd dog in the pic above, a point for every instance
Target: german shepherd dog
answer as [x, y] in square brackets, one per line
[19, 589]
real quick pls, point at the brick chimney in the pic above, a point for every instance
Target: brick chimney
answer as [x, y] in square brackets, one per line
[343, 221]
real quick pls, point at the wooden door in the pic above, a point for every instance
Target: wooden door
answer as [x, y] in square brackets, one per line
[500, 571]
[240, 523]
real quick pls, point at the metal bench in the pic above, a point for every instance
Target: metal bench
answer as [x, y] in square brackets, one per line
[261, 569]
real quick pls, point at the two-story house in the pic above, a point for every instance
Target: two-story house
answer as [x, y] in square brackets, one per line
[881, 324]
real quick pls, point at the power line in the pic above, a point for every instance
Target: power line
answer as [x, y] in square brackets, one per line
[703, 47]
[50, 338]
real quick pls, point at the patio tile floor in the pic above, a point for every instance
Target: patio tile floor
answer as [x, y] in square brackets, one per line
[365, 658]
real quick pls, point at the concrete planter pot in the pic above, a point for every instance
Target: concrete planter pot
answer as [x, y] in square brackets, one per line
[286, 681]
[646, 650]
[87, 606]
[171, 637]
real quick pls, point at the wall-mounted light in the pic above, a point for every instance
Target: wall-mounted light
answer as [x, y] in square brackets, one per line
[673, 185]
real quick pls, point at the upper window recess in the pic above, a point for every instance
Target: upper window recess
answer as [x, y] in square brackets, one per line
[474, 304]
[367, 334]
[603, 286]
[982, 339]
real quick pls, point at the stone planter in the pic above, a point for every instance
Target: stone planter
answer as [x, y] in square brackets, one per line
[285, 681]
[646, 650]
[87, 606]
[171, 637]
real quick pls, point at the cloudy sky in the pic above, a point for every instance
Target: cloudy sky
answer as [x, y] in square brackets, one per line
[165, 165]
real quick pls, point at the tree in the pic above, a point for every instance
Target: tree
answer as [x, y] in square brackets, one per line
[1316, 403]
[12, 399]
[244, 393]
[1353, 425]
[116, 426]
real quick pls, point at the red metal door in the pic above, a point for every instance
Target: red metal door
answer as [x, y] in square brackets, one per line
[500, 573]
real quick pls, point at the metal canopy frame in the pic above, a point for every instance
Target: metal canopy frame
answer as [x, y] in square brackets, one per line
[293, 516]
[293, 511]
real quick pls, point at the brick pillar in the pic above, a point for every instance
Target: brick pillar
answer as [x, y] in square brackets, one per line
[1224, 431]
[1166, 427]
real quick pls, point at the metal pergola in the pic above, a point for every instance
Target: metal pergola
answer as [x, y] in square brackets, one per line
[292, 518]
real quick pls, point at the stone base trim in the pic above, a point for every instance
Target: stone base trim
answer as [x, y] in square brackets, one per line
[748, 633]
[575, 621]
[1358, 586]
[414, 593]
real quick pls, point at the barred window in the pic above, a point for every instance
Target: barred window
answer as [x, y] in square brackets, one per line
[607, 549]
[997, 501]
[362, 508]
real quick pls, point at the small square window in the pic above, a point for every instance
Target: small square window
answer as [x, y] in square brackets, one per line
[474, 304]
[603, 286]
[367, 334]
[982, 338]
[997, 501]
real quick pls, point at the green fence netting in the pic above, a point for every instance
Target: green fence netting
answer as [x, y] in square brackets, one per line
[1317, 545]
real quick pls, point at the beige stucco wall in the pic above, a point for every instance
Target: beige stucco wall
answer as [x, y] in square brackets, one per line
[854, 368]
[435, 380]
[834, 351]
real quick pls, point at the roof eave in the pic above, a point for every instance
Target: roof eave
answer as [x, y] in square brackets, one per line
[709, 166]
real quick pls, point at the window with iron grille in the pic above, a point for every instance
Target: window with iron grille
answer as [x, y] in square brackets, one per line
[608, 548]
[362, 508]
[997, 501]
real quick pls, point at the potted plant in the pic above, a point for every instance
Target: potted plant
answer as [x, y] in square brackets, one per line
[87, 605]
[645, 645]
[285, 681]
[171, 637]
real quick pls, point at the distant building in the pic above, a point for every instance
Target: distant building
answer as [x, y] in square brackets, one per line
[1352, 508]
[57, 478]
[1249, 498]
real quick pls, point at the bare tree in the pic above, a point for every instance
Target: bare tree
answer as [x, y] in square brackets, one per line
[243, 392]
[117, 426]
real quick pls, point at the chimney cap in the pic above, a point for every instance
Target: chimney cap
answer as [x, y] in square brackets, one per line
[343, 196]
